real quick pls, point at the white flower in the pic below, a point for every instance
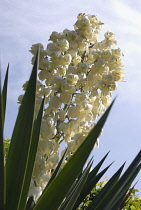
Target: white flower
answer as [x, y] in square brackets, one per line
[53, 160]
[56, 146]
[49, 121]
[63, 127]
[100, 62]
[109, 35]
[71, 36]
[43, 75]
[81, 15]
[76, 59]
[116, 52]
[51, 132]
[66, 87]
[72, 146]
[73, 53]
[43, 63]
[81, 97]
[118, 74]
[55, 102]
[106, 100]
[35, 192]
[83, 67]
[89, 33]
[83, 23]
[62, 70]
[45, 147]
[66, 59]
[73, 70]
[108, 78]
[83, 46]
[95, 109]
[54, 36]
[35, 47]
[46, 91]
[38, 104]
[73, 112]
[79, 137]
[113, 86]
[39, 158]
[89, 117]
[94, 20]
[51, 48]
[47, 131]
[63, 44]
[20, 98]
[65, 97]
[72, 79]
[85, 106]
[44, 180]
[62, 115]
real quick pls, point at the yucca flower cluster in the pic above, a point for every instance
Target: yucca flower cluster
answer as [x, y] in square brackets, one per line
[78, 74]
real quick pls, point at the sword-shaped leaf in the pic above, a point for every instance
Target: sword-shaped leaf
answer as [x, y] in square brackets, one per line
[100, 198]
[4, 94]
[31, 158]
[2, 193]
[20, 143]
[122, 187]
[92, 180]
[71, 199]
[119, 188]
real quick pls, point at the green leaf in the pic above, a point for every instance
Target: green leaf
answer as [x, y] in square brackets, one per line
[100, 199]
[117, 206]
[4, 93]
[20, 143]
[97, 167]
[125, 181]
[2, 189]
[62, 183]
[125, 198]
[31, 158]
[92, 179]
[71, 199]
[119, 188]
[92, 183]
[124, 190]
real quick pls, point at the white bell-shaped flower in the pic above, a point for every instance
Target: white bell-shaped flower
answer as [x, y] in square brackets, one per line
[72, 79]
[73, 112]
[55, 102]
[35, 192]
[65, 97]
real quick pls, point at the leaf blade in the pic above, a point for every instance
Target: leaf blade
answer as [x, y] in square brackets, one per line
[92, 179]
[2, 189]
[20, 142]
[120, 187]
[4, 93]
[100, 198]
[31, 158]
[70, 201]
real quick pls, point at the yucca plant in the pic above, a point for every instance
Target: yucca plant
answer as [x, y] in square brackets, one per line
[69, 185]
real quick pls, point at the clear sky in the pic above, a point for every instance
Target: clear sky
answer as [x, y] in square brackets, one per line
[23, 23]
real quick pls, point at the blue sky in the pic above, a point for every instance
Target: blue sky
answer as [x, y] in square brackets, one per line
[24, 23]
